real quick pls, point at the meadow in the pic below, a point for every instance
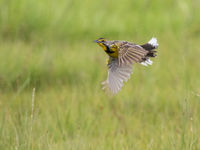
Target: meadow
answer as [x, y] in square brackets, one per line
[51, 74]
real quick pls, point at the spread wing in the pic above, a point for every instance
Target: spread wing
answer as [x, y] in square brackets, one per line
[116, 75]
[130, 53]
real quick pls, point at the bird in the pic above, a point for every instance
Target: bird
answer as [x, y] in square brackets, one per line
[122, 56]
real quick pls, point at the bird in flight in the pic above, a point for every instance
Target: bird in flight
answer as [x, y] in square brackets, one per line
[122, 55]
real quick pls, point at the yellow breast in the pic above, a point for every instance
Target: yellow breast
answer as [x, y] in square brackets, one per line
[113, 48]
[115, 54]
[112, 51]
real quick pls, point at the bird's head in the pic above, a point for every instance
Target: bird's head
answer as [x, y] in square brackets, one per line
[100, 40]
[103, 43]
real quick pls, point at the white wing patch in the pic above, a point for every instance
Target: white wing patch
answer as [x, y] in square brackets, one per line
[116, 75]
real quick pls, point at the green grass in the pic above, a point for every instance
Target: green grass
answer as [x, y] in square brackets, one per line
[48, 46]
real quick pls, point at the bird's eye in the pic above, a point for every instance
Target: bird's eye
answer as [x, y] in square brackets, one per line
[102, 40]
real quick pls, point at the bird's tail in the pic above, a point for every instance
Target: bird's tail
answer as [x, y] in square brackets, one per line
[150, 47]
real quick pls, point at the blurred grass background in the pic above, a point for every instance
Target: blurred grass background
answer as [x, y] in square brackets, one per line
[47, 45]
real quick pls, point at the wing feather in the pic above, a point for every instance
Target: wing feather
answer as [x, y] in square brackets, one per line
[130, 53]
[135, 58]
[116, 75]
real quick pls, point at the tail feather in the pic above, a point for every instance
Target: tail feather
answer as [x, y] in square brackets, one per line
[150, 47]
[153, 42]
[147, 62]
[151, 53]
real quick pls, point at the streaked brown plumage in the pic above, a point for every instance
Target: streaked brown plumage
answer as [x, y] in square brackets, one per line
[122, 55]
